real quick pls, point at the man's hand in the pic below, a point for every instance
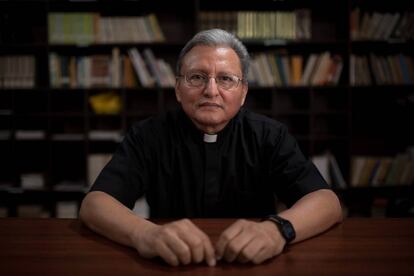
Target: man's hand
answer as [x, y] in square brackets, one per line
[178, 242]
[249, 241]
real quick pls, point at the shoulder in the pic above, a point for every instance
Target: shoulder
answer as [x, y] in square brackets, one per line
[259, 123]
[155, 126]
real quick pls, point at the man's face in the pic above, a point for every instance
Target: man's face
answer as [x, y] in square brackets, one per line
[210, 106]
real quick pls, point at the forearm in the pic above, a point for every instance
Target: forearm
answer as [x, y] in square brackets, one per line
[314, 213]
[107, 216]
[176, 242]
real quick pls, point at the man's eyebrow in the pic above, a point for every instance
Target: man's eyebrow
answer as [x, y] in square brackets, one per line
[219, 73]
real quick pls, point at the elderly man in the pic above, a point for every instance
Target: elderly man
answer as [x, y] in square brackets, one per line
[211, 158]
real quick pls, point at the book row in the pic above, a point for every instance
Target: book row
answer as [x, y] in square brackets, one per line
[115, 70]
[143, 69]
[381, 70]
[92, 28]
[272, 69]
[17, 71]
[381, 26]
[373, 171]
[289, 25]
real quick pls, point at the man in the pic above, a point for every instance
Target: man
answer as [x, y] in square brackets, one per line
[211, 158]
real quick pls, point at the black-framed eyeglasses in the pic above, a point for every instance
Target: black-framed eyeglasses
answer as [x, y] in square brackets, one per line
[200, 80]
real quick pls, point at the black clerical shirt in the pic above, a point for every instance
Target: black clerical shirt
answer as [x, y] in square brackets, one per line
[184, 173]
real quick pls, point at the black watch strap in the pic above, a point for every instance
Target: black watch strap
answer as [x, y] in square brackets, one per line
[284, 226]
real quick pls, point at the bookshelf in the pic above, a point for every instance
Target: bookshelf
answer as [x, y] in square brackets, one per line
[61, 67]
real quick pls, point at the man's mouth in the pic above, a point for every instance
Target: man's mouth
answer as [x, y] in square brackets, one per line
[208, 104]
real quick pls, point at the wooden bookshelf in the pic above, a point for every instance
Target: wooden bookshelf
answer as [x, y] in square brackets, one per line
[48, 131]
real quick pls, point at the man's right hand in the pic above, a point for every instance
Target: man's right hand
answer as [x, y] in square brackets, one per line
[178, 242]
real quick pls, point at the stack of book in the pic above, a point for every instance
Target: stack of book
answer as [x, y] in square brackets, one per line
[17, 71]
[381, 26]
[116, 70]
[272, 69]
[373, 171]
[256, 25]
[92, 28]
[381, 70]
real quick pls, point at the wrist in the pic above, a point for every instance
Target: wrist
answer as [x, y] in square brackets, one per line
[284, 227]
[139, 231]
[274, 232]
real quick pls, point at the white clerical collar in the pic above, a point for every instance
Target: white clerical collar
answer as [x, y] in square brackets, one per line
[210, 138]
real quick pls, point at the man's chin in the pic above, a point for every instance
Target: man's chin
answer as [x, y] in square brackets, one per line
[213, 115]
[210, 122]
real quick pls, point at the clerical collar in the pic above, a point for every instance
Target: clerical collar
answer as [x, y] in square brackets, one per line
[199, 136]
[210, 138]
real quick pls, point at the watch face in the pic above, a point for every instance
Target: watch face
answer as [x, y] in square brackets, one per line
[288, 231]
[284, 226]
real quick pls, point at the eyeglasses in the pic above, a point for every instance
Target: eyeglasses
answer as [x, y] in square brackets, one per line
[199, 80]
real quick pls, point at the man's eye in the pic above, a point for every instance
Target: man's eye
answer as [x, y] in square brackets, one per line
[225, 78]
[197, 77]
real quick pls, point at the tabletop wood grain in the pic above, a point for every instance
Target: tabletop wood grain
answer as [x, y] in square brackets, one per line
[66, 247]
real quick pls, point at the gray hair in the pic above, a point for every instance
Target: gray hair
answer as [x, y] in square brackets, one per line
[217, 37]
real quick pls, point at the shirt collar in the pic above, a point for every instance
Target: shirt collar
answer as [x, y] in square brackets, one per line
[189, 129]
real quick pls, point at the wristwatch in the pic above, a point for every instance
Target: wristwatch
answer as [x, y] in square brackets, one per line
[284, 226]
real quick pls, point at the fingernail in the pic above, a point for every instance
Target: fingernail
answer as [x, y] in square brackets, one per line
[212, 262]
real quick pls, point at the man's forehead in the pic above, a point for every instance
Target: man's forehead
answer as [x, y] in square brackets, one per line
[201, 54]
[219, 50]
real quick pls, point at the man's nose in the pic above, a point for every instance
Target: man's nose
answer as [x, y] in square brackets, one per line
[211, 88]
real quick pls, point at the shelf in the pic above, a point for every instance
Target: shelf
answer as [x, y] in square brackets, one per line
[157, 46]
[346, 119]
[68, 137]
[386, 192]
[295, 43]
[32, 48]
[66, 114]
[381, 46]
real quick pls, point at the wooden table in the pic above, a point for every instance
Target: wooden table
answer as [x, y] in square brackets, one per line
[66, 247]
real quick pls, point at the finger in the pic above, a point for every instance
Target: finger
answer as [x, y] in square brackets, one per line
[251, 250]
[179, 248]
[167, 254]
[195, 244]
[226, 237]
[209, 252]
[264, 254]
[199, 243]
[197, 250]
[236, 245]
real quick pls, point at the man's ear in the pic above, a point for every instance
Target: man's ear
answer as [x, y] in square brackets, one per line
[177, 90]
[245, 88]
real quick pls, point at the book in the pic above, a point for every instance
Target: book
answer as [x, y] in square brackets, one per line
[96, 162]
[382, 171]
[337, 177]
[296, 70]
[140, 67]
[322, 164]
[309, 68]
[321, 71]
[354, 23]
[328, 167]
[129, 78]
[153, 67]
[357, 164]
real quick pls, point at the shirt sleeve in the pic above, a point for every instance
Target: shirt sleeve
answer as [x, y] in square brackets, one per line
[125, 177]
[294, 175]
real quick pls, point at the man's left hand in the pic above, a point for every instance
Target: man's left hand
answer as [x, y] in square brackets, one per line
[249, 241]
